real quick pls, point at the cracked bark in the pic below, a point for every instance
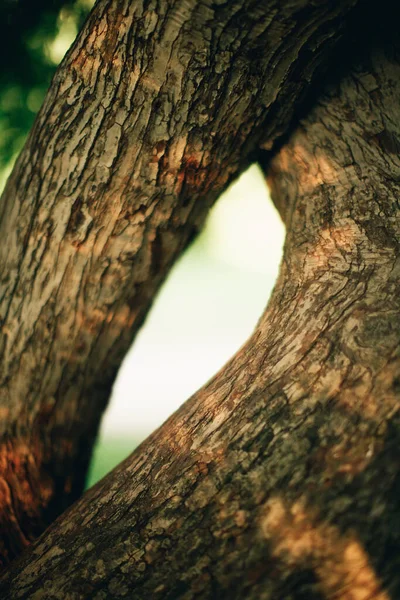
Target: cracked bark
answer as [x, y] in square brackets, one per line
[280, 478]
[155, 108]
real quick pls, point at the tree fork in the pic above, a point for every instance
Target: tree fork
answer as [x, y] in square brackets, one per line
[279, 479]
[149, 116]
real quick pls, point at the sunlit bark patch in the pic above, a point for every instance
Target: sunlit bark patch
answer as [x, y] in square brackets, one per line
[300, 539]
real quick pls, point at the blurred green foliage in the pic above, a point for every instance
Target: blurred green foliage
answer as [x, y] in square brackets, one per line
[34, 35]
[107, 454]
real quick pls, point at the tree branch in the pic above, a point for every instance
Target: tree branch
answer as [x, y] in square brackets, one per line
[150, 115]
[279, 479]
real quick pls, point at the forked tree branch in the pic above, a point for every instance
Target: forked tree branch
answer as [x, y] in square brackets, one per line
[154, 110]
[280, 478]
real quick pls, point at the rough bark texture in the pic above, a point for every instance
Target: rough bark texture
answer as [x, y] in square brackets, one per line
[156, 107]
[280, 478]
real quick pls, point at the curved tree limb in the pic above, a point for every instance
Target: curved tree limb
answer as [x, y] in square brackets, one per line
[279, 479]
[155, 108]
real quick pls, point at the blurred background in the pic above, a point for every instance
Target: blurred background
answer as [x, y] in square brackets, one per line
[216, 292]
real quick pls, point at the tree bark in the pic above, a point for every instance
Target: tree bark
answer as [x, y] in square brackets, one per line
[155, 108]
[280, 478]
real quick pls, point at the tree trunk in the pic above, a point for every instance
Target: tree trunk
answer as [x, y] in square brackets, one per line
[150, 115]
[280, 478]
